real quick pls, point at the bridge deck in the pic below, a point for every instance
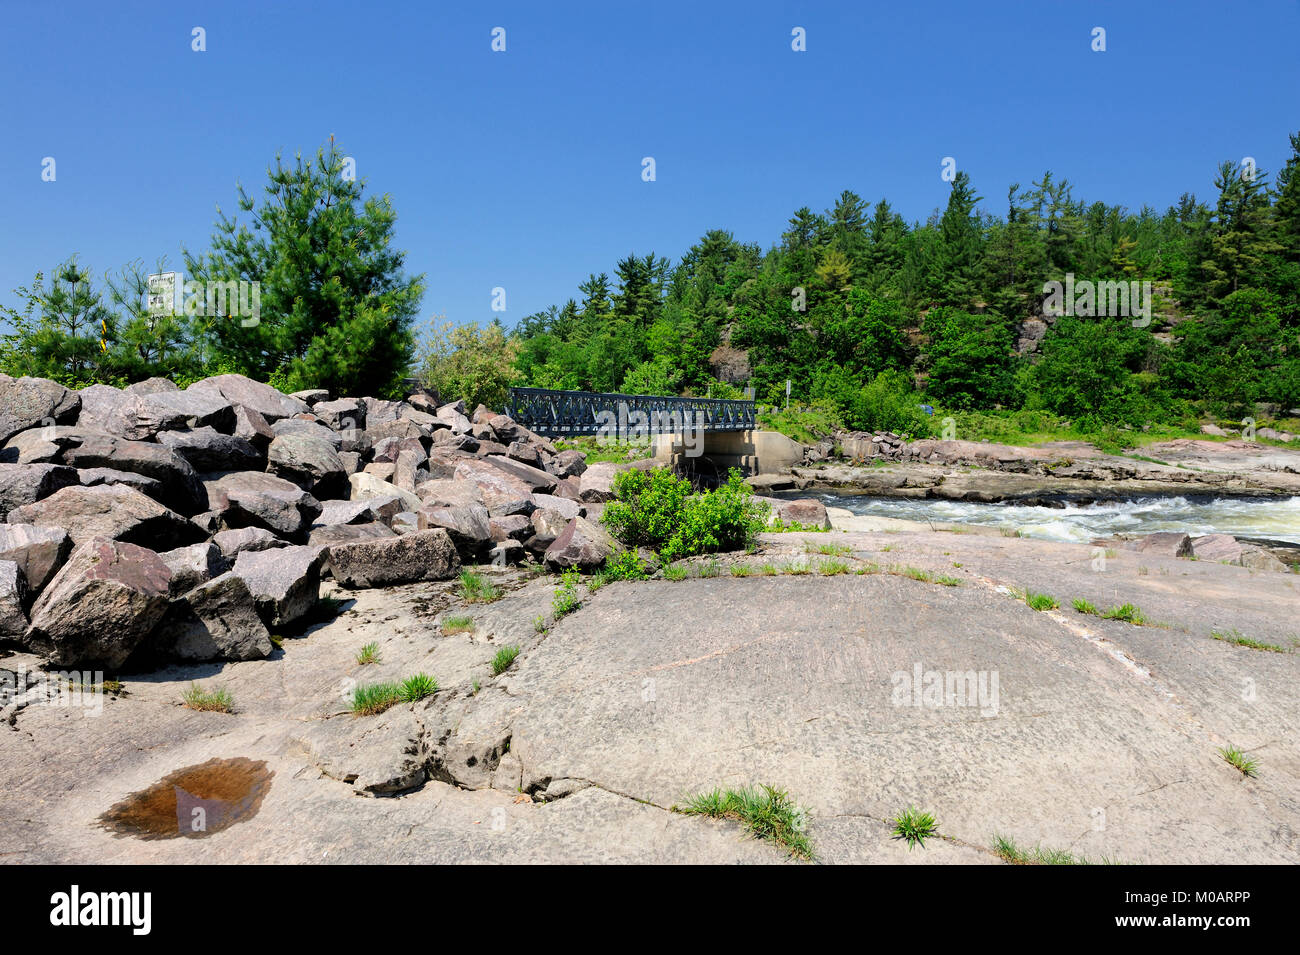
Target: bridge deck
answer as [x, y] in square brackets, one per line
[558, 413]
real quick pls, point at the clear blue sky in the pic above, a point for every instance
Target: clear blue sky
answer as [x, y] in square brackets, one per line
[522, 169]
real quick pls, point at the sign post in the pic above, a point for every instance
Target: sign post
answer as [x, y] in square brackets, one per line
[163, 289]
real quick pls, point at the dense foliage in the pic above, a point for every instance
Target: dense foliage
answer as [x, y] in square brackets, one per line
[869, 316]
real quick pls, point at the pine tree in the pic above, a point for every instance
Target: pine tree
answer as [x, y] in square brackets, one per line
[337, 311]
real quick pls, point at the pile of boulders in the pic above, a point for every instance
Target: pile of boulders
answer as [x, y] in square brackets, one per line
[155, 522]
[860, 446]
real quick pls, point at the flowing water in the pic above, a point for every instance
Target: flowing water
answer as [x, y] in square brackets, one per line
[1273, 519]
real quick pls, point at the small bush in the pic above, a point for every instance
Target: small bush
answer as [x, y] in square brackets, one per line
[657, 509]
[626, 565]
[566, 599]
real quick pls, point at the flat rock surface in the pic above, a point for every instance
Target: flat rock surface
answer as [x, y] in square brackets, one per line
[1102, 738]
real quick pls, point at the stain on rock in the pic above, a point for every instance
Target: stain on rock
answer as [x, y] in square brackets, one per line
[193, 802]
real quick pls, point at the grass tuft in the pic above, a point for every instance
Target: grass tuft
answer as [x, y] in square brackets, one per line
[1239, 761]
[214, 701]
[1084, 607]
[1126, 612]
[504, 657]
[766, 811]
[1235, 637]
[475, 588]
[416, 688]
[915, 826]
[1041, 602]
[369, 654]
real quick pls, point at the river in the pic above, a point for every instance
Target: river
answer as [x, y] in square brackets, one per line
[1274, 519]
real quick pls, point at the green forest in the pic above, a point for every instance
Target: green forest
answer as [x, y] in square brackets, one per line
[867, 315]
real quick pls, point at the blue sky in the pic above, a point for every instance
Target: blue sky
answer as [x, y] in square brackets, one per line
[522, 169]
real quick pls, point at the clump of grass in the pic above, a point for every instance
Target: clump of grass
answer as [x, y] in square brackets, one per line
[1041, 601]
[710, 568]
[828, 550]
[915, 826]
[476, 686]
[369, 654]
[831, 568]
[597, 580]
[214, 701]
[370, 699]
[769, 570]
[566, 599]
[676, 572]
[539, 623]
[1126, 612]
[1007, 850]
[1235, 637]
[474, 588]
[741, 570]
[912, 573]
[1084, 607]
[1239, 761]
[798, 569]
[1010, 532]
[416, 688]
[945, 580]
[457, 625]
[504, 657]
[765, 811]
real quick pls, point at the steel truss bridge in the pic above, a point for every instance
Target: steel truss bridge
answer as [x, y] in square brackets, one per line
[558, 413]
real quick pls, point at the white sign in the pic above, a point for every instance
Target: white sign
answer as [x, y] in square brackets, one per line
[164, 294]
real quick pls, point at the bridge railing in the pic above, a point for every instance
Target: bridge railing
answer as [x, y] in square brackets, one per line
[556, 413]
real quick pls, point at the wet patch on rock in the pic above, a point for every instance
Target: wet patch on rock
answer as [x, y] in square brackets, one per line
[193, 802]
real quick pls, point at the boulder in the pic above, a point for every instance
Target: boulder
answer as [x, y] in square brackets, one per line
[22, 484]
[569, 509]
[217, 620]
[1214, 430]
[506, 552]
[379, 411]
[103, 603]
[38, 551]
[1258, 558]
[511, 526]
[284, 582]
[807, 511]
[424, 555]
[525, 453]
[13, 601]
[582, 545]
[325, 536]
[115, 512]
[194, 409]
[265, 400]
[389, 449]
[1166, 543]
[258, 499]
[596, 484]
[1219, 548]
[311, 463]
[378, 756]
[311, 397]
[139, 416]
[309, 428]
[567, 464]
[194, 565]
[547, 525]
[34, 402]
[444, 493]
[467, 524]
[235, 542]
[345, 414]
[368, 486]
[361, 511]
[253, 428]
[498, 488]
[181, 488]
[152, 386]
[97, 477]
[207, 449]
[506, 429]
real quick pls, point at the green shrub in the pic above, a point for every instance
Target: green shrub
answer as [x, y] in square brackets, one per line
[657, 509]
